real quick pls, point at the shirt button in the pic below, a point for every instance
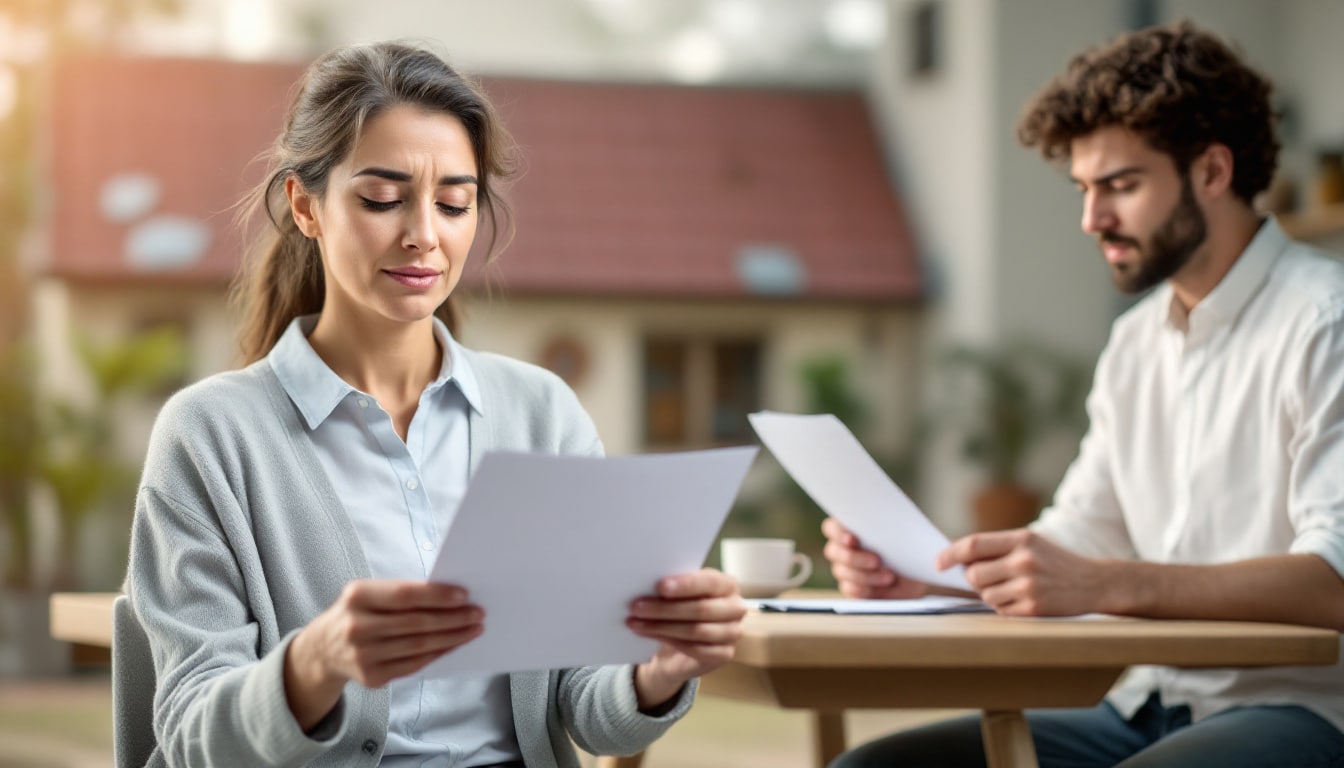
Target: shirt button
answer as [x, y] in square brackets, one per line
[428, 546]
[369, 746]
[412, 484]
[363, 402]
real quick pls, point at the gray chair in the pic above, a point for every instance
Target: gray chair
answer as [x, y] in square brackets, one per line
[132, 688]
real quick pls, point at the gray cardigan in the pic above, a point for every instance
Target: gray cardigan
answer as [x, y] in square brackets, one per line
[239, 541]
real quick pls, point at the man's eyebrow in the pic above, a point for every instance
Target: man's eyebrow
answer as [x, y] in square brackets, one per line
[1112, 176]
[402, 176]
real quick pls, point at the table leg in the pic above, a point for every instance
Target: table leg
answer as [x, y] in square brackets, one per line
[828, 736]
[629, 761]
[1007, 739]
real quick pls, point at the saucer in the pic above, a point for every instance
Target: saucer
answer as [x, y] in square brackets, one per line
[758, 591]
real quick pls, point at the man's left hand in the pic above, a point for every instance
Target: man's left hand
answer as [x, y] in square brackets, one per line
[1021, 573]
[697, 617]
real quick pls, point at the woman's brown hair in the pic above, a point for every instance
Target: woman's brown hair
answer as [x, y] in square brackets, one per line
[282, 274]
[1177, 87]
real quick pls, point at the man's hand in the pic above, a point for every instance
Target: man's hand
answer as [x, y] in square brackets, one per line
[1021, 573]
[861, 573]
[697, 618]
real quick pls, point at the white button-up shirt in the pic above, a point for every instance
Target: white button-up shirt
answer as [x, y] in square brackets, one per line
[1218, 436]
[401, 497]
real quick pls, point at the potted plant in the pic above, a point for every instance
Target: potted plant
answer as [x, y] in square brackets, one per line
[1005, 401]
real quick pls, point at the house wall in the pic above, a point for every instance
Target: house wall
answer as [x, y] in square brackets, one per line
[1051, 284]
[939, 131]
[1312, 63]
[879, 342]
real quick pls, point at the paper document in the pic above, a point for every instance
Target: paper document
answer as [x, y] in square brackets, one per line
[924, 605]
[554, 548]
[825, 458]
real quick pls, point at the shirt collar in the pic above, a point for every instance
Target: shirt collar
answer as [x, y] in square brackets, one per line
[316, 390]
[1231, 295]
[456, 368]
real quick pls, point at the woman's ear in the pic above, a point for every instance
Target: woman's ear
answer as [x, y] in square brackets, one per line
[1211, 173]
[303, 207]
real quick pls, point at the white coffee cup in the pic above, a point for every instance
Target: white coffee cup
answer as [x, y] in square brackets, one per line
[764, 567]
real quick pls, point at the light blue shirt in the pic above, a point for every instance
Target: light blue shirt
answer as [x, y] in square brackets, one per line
[401, 497]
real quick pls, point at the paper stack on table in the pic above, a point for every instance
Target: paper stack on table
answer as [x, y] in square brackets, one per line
[933, 604]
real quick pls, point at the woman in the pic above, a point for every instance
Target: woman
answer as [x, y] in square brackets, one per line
[289, 512]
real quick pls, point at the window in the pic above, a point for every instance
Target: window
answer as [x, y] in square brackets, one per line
[925, 56]
[698, 391]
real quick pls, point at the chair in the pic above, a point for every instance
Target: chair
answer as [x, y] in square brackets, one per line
[132, 688]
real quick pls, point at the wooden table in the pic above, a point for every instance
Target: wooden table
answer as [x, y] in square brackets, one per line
[999, 665]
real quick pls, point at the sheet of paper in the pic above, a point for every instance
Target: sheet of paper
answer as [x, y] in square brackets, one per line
[554, 548]
[827, 461]
[924, 605]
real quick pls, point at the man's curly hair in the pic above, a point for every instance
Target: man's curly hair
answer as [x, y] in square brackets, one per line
[1177, 87]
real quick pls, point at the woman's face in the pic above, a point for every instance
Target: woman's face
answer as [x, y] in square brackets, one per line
[398, 217]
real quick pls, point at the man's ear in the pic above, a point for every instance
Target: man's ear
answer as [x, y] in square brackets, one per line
[303, 207]
[1211, 172]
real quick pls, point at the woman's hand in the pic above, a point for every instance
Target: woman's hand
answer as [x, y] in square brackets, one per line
[860, 572]
[698, 618]
[375, 632]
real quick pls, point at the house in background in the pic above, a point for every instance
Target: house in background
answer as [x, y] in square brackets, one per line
[681, 252]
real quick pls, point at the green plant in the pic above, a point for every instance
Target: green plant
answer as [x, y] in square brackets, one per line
[20, 461]
[70, 445]
[1004, 400]
[82, 464]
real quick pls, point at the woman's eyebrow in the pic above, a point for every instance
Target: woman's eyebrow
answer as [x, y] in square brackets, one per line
[402, 176]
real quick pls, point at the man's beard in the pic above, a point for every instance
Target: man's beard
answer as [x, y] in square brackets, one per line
[1167, 250]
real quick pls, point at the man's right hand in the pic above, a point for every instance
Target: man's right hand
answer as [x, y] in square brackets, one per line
[860, 572]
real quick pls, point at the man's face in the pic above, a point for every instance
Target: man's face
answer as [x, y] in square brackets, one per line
[1141, 209]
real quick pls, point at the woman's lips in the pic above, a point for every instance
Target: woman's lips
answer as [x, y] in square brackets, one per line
[419, 278]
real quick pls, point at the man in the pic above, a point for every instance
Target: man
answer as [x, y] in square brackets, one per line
[1210, 484]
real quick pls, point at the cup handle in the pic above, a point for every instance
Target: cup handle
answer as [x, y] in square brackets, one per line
[804, 564]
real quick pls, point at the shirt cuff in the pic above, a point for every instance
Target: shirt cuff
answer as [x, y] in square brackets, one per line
[1325, 544]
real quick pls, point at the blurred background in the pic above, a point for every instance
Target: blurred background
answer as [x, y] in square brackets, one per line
[725, 206]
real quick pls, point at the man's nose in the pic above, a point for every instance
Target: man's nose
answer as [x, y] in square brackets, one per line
[1097, 215]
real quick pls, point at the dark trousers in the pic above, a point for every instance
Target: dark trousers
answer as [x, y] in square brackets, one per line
[1156, 737]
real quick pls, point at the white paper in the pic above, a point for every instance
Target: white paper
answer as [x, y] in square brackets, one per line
[827, 461]
[554, 548]
[933, 604]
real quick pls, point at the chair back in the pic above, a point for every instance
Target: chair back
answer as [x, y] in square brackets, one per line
[132, 688]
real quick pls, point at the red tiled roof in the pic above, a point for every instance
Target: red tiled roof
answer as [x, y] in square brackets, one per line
[193, 125]
[630, 190]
